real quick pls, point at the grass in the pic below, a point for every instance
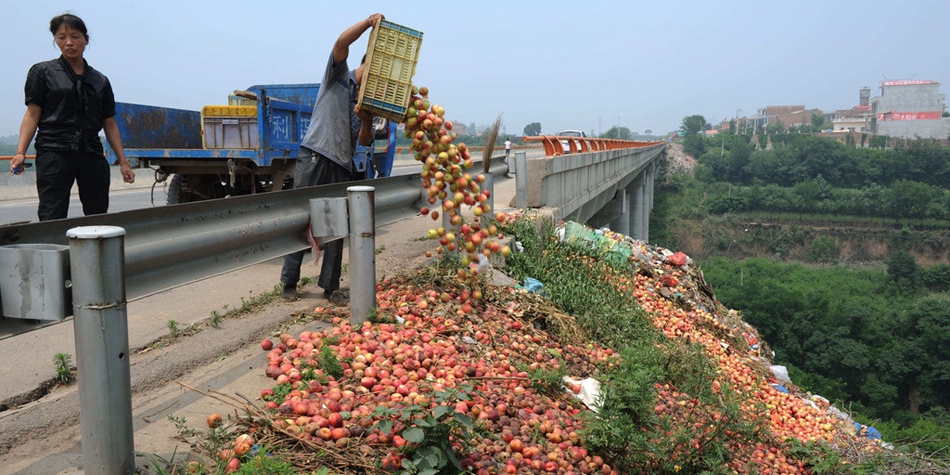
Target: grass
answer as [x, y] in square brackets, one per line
[598, 292]
[248, 305]
[64, 371]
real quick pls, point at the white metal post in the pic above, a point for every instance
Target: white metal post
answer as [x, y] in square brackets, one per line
[97, 262]
[361, 205]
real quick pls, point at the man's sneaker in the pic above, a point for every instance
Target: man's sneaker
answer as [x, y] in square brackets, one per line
[337, 297]
[290, 292]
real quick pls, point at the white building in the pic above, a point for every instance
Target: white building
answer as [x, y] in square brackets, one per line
[910, 109]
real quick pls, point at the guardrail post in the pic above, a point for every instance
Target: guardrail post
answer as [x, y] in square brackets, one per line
[521, 180]
[361, 206]
[100, 323]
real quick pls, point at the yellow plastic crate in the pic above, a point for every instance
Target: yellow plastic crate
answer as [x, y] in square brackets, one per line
[229, 111]
[391, 58]
[229, 127]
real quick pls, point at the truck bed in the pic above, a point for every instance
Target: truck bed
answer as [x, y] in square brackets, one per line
[155, 132]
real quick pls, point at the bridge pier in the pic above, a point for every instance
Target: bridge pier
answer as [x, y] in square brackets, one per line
[615, 214]
[636, 192]
[649, 175]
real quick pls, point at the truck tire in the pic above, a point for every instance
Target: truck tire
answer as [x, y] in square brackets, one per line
[190, 188]
[174, 194]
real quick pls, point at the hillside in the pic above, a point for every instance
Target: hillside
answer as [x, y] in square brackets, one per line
[714, 218]
[586, 352]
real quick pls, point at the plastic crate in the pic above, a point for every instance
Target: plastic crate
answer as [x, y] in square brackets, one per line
[229, 127]
[234, 100]
[391, 58]
[229, 111]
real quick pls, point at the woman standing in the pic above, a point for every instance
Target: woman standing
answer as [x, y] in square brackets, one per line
[67, 104]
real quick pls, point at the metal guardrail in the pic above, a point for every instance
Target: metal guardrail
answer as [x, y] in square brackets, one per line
[171, 246]
[579, 184]
[554, 144]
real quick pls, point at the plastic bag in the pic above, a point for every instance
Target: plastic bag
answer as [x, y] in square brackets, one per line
[678, 259]
[532, 285]
[589, 392]
[780, 373]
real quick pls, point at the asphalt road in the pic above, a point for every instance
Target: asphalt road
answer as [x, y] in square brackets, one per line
[18, 200]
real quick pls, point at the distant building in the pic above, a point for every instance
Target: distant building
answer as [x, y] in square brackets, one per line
[788, 115]
[855, 119]
[910, 109]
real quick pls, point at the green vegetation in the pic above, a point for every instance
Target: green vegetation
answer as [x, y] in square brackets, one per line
[64, 371]
[429, 440]
[874, 337]
[582, 284]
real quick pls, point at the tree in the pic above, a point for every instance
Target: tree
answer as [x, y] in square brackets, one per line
[817, 122]
[694, 145]
[694, 124]
[532, 129]
[617, 132]
[776, 127]
[647, 132]
[902, 269]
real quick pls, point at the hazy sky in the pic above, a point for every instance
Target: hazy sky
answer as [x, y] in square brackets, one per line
[568, 65]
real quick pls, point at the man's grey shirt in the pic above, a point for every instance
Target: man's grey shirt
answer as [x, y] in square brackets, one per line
[334, 126]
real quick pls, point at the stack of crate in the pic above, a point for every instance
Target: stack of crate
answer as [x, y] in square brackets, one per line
[230, 126]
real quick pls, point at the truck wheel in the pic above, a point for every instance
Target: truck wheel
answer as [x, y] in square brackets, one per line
[174, 194]
[190, 188]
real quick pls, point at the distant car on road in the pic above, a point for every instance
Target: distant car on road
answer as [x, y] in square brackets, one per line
[570, 133]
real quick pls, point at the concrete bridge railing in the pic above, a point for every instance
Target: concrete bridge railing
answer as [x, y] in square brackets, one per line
[611, 187]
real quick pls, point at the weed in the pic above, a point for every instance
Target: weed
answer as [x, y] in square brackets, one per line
[280, 392]
[329, 363]
[436, 439]
[263, 463]
[380, 249]
[161, 466]
[64, 372]
[215, 319]
[173, 329]
[548, 381]
[376, 317]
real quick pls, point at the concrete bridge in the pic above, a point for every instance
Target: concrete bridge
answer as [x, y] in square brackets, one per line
[602, 183]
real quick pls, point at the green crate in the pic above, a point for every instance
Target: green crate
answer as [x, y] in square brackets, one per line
[391, 58]
[235, 100]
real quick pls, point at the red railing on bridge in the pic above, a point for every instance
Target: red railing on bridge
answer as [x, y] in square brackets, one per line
[475, 148]
[554, 144]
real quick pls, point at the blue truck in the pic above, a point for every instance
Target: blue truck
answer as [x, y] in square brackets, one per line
[201, 157]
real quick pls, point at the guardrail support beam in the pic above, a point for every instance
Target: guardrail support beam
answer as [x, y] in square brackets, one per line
[100, 323]
[361, 203]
